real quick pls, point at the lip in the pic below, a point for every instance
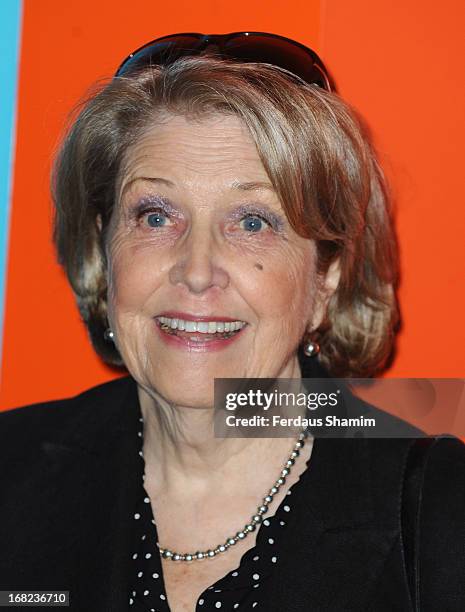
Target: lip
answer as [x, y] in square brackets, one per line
[186, 316]
[200, 346]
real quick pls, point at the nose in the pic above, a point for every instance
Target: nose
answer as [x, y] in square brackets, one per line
[197, 264]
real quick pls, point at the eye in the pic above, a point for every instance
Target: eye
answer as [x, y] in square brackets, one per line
[155, 218]
[254, 223]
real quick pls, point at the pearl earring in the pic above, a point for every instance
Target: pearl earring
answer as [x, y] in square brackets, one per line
[109, 335]
[311, 348]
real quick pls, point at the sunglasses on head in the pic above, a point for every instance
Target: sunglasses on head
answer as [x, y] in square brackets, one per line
[257, 47]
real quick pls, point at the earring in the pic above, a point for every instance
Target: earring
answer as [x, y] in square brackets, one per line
[109, 335]
[311, 348]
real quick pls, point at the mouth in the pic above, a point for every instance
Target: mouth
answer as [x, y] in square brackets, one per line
[201, 333]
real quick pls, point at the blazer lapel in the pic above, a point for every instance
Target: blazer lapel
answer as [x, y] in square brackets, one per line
[100, 475]
[336, 548]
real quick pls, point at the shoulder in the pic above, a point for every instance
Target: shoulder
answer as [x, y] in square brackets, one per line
[24, 425]
[448, 448]
[56, 409]
[444, 480]
[443, 475]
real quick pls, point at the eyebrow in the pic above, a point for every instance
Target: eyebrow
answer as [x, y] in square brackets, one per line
[150, 179]
[248, 186]
[252, 186]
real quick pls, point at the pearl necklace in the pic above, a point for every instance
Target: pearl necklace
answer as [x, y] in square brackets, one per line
[249, 527]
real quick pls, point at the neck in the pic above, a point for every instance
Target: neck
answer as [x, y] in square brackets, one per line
[182, 453]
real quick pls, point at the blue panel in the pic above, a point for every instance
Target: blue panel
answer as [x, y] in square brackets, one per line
[10, 24]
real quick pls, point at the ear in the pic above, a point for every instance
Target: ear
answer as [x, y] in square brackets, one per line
[98, 221]
[326, 288]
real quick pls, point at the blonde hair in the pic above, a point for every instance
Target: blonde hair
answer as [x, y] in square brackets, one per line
[316, 153]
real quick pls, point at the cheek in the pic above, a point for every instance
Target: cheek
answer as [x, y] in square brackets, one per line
[133, 275]
[284, 287]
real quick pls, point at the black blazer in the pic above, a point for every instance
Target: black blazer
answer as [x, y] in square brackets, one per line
[67, 489]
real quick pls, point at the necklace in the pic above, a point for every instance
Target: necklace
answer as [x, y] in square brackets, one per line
[256, 519]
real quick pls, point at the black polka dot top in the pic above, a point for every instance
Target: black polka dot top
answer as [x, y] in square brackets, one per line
[240, 589]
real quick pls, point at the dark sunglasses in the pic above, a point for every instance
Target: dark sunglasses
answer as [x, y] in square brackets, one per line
[247, 47]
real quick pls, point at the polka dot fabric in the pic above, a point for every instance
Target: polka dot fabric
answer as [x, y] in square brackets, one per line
[240, 589]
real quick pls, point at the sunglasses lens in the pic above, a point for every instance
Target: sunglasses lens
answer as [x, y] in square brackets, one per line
[278, 52]
[258, 48]
[164, 51]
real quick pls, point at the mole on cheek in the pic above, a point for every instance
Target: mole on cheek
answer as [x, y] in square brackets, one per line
[258, 266]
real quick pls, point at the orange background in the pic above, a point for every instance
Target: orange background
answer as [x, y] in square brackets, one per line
[400, 63]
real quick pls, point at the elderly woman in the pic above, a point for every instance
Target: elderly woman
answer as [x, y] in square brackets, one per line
[220, 214]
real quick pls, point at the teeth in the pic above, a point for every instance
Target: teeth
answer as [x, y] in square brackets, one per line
[202, 327]
[190, 326]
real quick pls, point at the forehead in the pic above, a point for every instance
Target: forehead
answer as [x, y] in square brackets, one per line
[212, 150]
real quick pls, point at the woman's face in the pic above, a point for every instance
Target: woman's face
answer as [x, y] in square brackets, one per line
[200, 243]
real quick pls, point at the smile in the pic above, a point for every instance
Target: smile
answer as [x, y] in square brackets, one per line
[202, 327]
[201, 335]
